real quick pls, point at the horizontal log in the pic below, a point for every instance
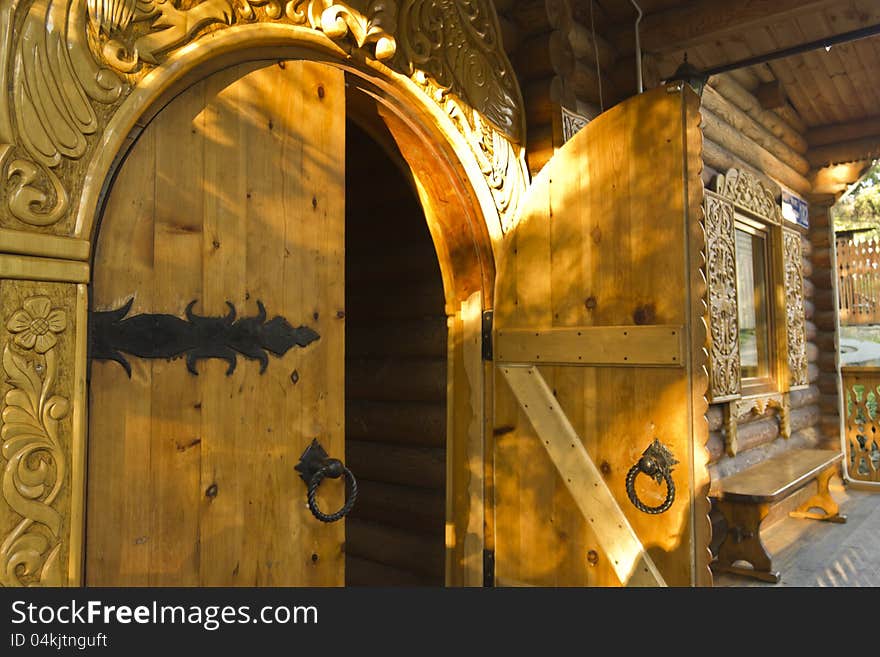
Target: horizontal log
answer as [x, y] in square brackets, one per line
[363, 572]
[807, 268]
[825, 342]
[812, 352]
[809, 288]
[408, 551]
[737, 118]
[752, 434]
[844, 151]
[807, 416]
[842, 132]
[728, 86]
[826, 320]
[510, 34]
[827, 383]
[715, 417]
[405, 423]
[812, 373]
[824, 299]
[584, 81]
[424, 337]
[806, 247]
[422, 467]
[804, 397]
[410, 300]
[405, 507]
[720, 132]
[530, 15]
[721, 159]
[821, 275]
[811, 330]
[805, 439]
[829, 404]
[715, 446]
[532, 60]
[406, 263]
[820, 239]
[584, 45]
[789, 116]
[561, 55]
[827, 361]
[395, 380]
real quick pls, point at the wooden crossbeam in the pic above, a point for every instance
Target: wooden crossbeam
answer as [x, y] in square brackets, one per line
[658, 345]
[632, 564]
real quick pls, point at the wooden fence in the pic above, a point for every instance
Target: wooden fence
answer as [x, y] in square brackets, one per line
[858, 272]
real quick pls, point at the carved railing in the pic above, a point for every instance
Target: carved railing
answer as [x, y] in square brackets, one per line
[861, 398]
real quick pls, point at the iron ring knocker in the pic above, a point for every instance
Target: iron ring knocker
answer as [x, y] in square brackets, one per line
[315, 466]
[657, 462]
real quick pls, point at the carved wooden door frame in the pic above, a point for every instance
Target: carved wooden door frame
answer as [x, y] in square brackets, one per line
[84, 83]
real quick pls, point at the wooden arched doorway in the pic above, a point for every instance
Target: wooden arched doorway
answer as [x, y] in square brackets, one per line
[235, 196]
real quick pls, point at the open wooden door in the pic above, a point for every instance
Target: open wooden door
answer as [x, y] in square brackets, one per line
[598, 344]
[217, 339]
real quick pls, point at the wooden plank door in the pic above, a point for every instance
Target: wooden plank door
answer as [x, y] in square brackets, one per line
[233, 196]
[599, 351]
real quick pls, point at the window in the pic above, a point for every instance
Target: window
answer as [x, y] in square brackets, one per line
[754, 303]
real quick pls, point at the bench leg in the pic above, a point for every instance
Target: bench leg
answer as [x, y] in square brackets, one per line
[743, 542]
[821, 500]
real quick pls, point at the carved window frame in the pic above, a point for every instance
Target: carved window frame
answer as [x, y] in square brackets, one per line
[741, 193]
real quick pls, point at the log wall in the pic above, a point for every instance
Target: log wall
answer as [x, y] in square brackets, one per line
[739, 133]
[395, 361]
[559, 64]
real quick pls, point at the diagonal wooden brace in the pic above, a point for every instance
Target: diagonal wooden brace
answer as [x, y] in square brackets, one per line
[632, 564]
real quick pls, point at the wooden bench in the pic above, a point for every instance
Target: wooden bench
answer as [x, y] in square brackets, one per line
[745, 499]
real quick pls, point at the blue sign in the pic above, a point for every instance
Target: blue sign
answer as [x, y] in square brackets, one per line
[795, 209]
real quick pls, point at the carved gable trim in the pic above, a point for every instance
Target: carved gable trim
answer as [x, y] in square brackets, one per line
[749, 194]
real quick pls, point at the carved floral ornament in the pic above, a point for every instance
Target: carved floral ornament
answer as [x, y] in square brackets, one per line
[749, 193]
[33, 457]
[71, 63]
[740, 190]
[724, 365]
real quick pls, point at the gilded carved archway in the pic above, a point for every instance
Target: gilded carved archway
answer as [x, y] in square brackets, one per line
[83, 77]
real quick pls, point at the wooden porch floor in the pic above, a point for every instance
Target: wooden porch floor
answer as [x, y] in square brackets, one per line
[809, 553]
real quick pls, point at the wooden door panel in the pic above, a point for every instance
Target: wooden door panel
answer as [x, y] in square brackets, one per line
[234, 194]
[610, 236]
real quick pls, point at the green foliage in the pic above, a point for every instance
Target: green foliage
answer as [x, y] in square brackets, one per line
[859, 208]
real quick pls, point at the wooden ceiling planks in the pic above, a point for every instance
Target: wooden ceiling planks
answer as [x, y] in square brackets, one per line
[816, 26]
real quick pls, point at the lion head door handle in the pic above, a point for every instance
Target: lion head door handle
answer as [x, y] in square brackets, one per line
[314, 466]
[657, 462]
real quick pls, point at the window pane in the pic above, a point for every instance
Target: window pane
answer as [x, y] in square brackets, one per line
[752, 301]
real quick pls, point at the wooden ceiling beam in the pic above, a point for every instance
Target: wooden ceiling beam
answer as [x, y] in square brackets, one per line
[841, 132]
[854, 150]
[702, 21]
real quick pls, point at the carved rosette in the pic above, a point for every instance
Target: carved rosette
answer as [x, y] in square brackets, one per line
[747, 192]
[34, 458]
[724, 367]
[794, 308]
[73, 62]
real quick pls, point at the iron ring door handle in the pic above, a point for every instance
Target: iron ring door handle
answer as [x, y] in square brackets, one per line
[656, 462]
[314, 466]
